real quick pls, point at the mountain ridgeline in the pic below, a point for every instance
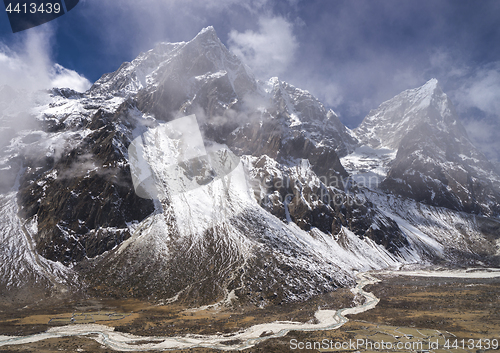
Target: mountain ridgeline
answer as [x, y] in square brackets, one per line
[436, 163]
[293, 220]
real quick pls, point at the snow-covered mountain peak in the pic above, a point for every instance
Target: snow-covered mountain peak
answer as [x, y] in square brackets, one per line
[207, 34]
[430, 85]
[435, 162]
[427, 95]
[183, 63]
[303, 114]
[427, 105]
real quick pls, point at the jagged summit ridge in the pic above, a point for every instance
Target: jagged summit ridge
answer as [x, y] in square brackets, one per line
[303, 112]
[207, 34]
[387, 125]
[202, 56]
[435, 162]
[177, 78]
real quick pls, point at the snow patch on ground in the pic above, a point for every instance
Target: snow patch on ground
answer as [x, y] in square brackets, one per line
[368, 166]
[469, 273]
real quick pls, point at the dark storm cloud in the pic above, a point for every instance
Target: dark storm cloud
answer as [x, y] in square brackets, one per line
[372, 50]
[120, 30]
[351, 54]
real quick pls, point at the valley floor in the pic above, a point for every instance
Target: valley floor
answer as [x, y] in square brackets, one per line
[411, 309]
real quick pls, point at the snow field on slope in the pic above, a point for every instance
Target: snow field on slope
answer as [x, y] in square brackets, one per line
[19, 263]
[430, 228]
[368, 166]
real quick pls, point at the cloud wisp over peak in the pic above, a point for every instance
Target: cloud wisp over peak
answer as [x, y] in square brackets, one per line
[270, 51]
[27, 65]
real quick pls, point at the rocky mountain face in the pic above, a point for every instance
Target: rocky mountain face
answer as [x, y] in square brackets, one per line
[435, 163]
[291, 220]
[84, 198]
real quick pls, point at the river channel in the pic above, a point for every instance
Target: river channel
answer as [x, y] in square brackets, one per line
[325, 320]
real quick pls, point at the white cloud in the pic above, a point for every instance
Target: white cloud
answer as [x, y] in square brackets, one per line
[480, 130]
[270, 51]
[407, 77]
[332, 94]
[444, 63]
[66, 78]
[484, 135]
[329, 92]
[27, 65]
[480, 89]
[483, 90]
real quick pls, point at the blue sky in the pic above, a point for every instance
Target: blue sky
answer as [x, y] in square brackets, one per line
[351, 54]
